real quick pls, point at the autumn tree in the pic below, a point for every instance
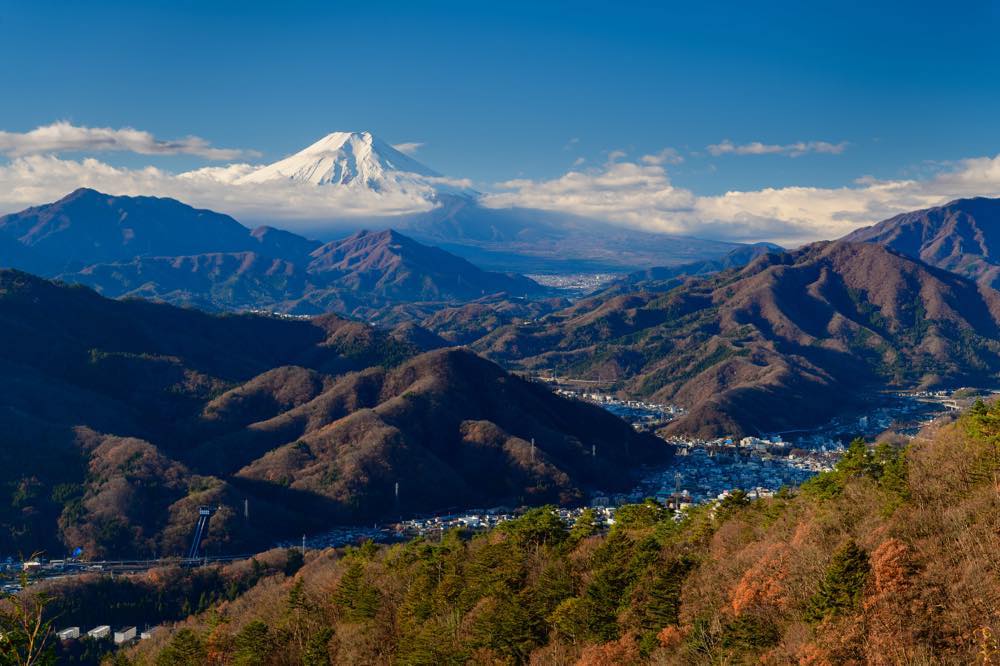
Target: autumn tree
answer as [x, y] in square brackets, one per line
[25, 633]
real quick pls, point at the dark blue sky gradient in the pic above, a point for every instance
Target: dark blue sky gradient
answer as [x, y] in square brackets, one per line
[497, 90]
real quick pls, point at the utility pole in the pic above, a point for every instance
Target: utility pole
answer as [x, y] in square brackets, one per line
[532, 449]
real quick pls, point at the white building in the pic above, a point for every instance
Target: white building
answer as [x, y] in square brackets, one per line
[124, 635]
[69, 633]
[102, 631]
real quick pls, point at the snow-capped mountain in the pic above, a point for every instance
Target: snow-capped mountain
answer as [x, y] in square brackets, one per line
[358, 160]
[352, 180]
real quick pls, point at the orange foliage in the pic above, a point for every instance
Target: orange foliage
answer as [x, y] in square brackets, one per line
[813, 655]
[623, 652]
[761, 587]
[671, 637]
[890, 564]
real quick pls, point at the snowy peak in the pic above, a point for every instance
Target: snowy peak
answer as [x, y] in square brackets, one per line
[366, 150]
[353, 159]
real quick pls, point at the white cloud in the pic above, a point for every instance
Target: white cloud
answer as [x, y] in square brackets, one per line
[642, 196]
[631, 192]
[60, 137]
[796, 149]
[409, 147]
[665, 156]
[34, 179]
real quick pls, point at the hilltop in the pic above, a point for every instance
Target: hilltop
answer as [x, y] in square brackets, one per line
[962, 236]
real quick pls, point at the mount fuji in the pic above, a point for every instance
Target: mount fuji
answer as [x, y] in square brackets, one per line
[356, 160]
[359, 164]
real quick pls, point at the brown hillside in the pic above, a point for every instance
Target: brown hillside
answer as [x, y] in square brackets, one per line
[118, 418]
[812, 328]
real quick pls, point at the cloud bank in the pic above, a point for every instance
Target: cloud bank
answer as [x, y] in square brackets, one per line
[641, 195]
[633, 192]
[34, 179]
[62, 137]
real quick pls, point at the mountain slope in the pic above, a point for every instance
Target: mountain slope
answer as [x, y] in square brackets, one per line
[450, 427]
[962, 236]
[362, 275]
[812, 328]
[118, 418]
[390, 264]
[737, 258]
[87, 227]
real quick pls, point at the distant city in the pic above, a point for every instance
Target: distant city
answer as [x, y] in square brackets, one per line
[577, 284]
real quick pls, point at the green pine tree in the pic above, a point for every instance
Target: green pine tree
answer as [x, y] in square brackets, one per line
[185, 649]
[842, 585]
[356, 597]
[253, 644]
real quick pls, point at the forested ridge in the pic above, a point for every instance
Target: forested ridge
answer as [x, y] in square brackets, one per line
[893, 557]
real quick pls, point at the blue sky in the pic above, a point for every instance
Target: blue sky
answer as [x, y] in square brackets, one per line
[497, 91]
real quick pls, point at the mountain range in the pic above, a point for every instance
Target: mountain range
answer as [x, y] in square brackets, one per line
[817, 328]
[166, 250]
[887, 306]
[118, 418]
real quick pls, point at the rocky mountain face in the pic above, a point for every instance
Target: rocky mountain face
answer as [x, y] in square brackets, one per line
[814, 329]
[119, 418]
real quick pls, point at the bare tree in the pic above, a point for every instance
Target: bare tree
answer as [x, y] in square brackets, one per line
[25, 633]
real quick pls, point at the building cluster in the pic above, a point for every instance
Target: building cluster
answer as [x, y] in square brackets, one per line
[643, 415]
[485, 519]
[102, 632]
[701, 473]
[577, 283]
